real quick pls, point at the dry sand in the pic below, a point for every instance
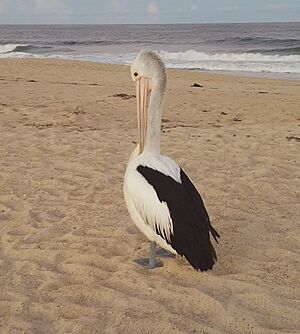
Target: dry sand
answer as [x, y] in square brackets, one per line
[67, 242]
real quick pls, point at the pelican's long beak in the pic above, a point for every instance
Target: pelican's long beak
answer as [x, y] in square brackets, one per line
[142, 92]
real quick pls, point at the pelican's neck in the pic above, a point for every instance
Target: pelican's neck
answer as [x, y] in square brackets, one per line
[152, 143]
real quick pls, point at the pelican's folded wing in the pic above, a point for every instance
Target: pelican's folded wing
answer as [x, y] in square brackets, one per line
[190, 222]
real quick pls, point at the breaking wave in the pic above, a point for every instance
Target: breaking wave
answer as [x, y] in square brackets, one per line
[250, 62]
[191, 59]
[7, 48]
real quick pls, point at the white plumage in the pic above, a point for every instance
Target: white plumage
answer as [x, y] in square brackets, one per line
[142, 202]
[162, 201]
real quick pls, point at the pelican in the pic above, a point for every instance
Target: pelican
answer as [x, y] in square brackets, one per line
[161, 199]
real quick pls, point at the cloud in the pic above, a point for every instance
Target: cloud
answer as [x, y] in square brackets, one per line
[34, 11]
[3, 6]
[228, 9]
[145, 11]
[278, 6]
[152, 8]
[51, 7]
[116, 4]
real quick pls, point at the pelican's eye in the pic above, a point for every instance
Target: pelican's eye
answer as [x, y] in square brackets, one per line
[135, 74]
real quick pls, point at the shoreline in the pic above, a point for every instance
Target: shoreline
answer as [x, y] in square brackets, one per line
[263, 75]
[241, 74]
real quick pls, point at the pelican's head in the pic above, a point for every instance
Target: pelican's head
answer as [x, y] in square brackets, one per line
[148, 72]
[147, 64]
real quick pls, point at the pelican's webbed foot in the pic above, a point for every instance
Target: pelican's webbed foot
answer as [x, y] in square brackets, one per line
[152, 262]
[164, 253]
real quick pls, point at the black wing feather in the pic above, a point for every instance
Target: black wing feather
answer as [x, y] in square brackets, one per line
[199, 205]
[191, 223]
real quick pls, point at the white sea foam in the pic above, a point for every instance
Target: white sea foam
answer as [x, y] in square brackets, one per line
[241, 62]
[250, 62]
[192, 55]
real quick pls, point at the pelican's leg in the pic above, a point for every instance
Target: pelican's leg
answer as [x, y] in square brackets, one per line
[152, 262]
[152, 254]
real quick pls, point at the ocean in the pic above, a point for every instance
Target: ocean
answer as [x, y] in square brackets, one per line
[250, 48]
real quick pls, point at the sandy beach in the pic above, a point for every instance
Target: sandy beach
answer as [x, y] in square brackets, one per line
[67, 243]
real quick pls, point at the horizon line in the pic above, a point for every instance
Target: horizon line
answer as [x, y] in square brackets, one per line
[156, 23]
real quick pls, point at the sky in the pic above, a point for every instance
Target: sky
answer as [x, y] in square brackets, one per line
[144, 11]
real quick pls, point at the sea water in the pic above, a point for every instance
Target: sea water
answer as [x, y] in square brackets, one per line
[252, 48]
